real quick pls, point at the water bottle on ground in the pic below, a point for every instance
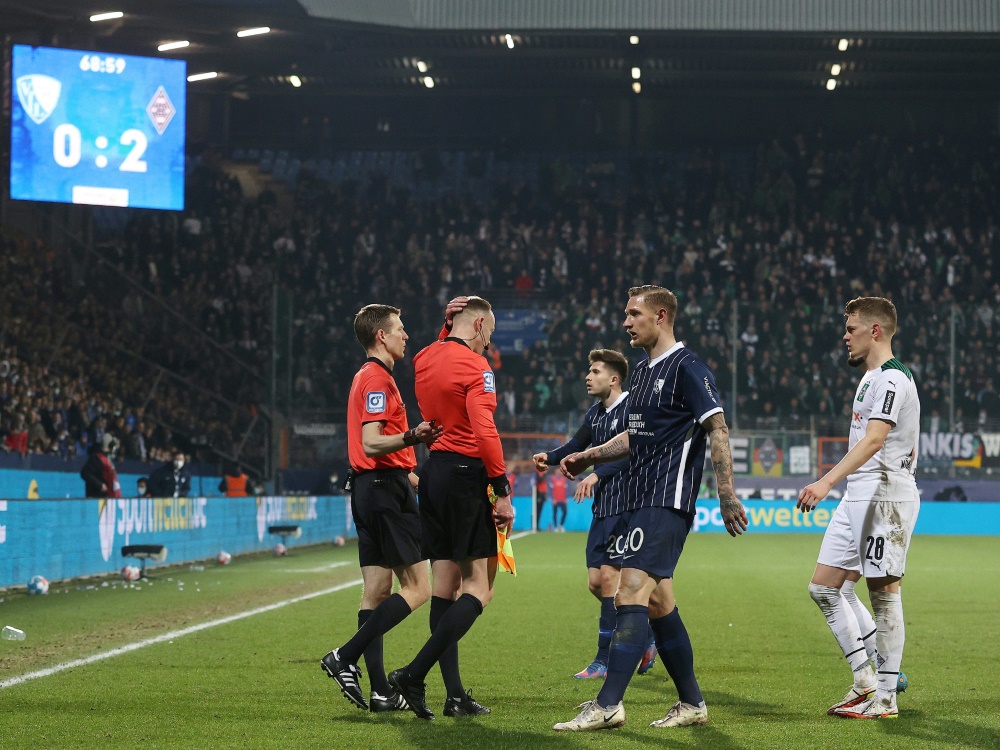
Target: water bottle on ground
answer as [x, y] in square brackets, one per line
[11, 634]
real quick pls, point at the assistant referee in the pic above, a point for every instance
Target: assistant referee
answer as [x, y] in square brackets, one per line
[456, 388]
[384, 505]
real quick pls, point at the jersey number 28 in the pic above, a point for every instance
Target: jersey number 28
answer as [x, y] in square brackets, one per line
[876, 545]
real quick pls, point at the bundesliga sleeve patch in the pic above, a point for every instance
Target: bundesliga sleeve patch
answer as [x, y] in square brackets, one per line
[489, 382]
[375, 402]
[890, 396]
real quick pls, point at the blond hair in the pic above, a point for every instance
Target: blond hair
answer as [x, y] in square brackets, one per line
[657, 297]
[874, 310]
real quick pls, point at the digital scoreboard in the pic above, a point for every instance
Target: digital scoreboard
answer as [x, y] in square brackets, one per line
[97, 128]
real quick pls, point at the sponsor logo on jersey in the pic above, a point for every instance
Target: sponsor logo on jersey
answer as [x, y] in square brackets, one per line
[489, 382]
[890, 396]
[864, 389]
[708, 387]
[375, 402]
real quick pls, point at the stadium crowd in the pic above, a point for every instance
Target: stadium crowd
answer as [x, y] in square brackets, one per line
[783, 235]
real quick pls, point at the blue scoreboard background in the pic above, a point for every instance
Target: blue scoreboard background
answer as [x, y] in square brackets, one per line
[97, 128]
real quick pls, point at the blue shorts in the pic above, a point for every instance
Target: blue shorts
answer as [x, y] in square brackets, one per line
[653, 540]
[601, 541]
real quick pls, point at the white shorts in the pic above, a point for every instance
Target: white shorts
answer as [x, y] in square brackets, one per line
[872, 536]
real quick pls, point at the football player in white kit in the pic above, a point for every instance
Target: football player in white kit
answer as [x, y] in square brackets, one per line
[870, 530]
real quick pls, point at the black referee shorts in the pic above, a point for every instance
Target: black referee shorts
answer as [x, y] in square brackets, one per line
[387, 518]
[455, 509]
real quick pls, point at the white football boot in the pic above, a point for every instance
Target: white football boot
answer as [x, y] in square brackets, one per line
[683, 715]
[872, 707]
[854, 696]
[593, 716]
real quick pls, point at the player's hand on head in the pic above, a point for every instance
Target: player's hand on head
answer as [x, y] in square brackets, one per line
[428, 432]
[734, 515]
[573, 464]
[585, 488]
[453, 308]
[541, 461]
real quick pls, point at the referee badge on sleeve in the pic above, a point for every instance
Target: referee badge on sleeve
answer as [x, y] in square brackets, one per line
[489, 382]
[375, 402]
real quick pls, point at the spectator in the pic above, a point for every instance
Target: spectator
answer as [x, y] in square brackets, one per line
[135, 443]
[38, 439]
[16, 440]
[172, 479]
[558, 484]
[98, 473]
[235, 482]
[541, 495]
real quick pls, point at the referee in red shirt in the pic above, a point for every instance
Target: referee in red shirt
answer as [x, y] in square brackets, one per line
[457, 389]
[384, 505]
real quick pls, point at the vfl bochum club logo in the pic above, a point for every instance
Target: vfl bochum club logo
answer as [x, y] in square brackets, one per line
[38, 95]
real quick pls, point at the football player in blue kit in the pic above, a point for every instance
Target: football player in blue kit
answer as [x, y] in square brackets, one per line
[605, 379]
[673, 405]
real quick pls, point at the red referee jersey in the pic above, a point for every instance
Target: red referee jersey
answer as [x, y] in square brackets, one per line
[456, 387]
[375, 398]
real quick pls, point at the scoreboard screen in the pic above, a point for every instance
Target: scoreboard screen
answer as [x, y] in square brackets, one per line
[97, 128]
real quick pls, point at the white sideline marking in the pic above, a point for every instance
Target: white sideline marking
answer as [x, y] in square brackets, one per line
[317, 569]
[169, 636]
[11, 682]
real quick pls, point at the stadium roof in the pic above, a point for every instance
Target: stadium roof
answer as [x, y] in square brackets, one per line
[333, 56]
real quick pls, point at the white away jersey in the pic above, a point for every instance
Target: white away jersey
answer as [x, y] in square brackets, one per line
[888, 393]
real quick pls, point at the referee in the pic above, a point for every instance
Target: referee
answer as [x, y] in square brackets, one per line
[456, 388]
[384, 505]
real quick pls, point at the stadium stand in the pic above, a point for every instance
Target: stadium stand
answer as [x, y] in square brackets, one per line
[772, 239]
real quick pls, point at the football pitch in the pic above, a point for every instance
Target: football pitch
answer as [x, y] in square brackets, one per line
[767, 663]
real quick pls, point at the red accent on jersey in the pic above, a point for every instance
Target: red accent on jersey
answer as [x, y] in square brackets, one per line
[456, 387]
[375, 398]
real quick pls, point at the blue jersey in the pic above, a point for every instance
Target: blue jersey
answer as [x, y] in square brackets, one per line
[599, 426]
[669, 399]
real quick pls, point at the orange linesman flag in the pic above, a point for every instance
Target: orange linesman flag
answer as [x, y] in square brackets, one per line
[505, 550]
[505, 553]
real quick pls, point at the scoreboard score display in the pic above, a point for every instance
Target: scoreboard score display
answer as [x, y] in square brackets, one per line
[97, 128]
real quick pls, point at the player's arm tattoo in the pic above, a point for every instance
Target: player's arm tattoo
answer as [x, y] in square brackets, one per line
[722, 461]
[614, 449]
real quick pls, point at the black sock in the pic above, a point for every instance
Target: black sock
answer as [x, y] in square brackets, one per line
[449, 659]
[453, 625]
[383, 618]
[374, 665]
[606, 628]
[627, 645]
[674, 647]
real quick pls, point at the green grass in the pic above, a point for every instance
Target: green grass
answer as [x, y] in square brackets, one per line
[766, 661]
